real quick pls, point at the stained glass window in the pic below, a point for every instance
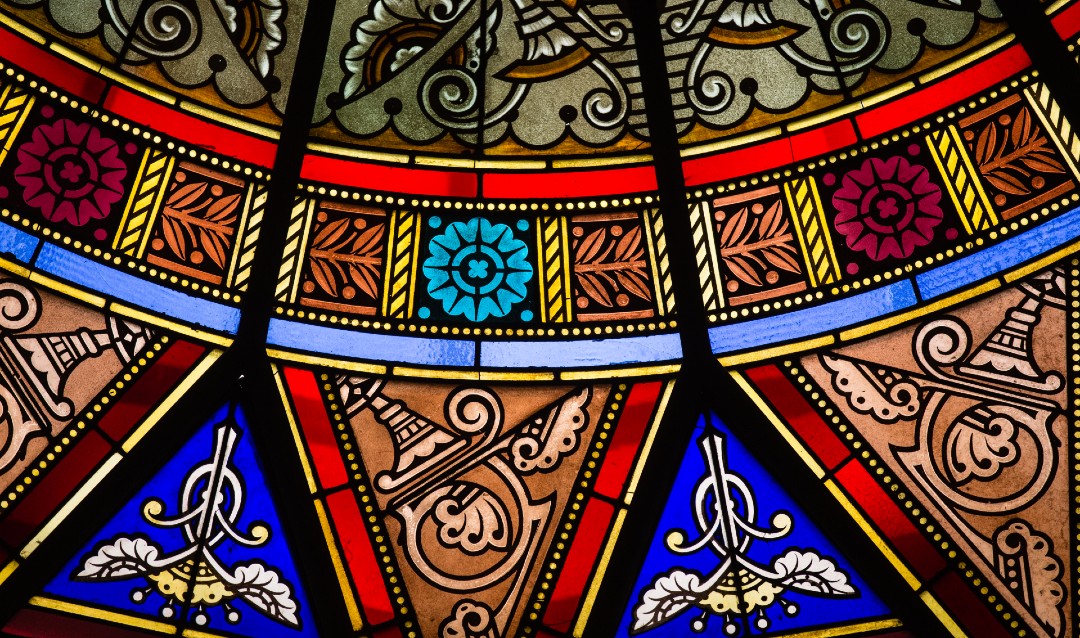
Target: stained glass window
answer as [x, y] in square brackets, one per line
[539, 318]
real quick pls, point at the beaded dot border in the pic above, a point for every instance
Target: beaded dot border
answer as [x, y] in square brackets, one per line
[119, 260]
[430, 204]
[1073, 338]
[562, 543]
[221, 161]
[393, 325]
[378, 536]
[21, 486]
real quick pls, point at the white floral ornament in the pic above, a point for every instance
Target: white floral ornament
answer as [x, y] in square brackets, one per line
[725, 513]
[211, 501]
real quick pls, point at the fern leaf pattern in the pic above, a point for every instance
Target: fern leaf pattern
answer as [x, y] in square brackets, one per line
[612, 277]
[1017, 160]
[757, 247]
[344, 268]
[197, 228]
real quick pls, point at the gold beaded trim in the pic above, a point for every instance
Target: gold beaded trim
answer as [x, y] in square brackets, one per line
[22, 485]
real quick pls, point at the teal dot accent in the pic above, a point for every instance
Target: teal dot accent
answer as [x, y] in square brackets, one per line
[526, 315]
[434, 221]
[523, 224]
[423, 312]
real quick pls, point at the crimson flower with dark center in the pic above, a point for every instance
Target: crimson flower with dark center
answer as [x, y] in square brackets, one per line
[887, 208]
[70, 172]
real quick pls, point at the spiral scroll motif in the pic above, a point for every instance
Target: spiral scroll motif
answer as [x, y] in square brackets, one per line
[19, 306]
[169, 29]
[450, 97]
[942, 342]
[859, 34]
[472, 410]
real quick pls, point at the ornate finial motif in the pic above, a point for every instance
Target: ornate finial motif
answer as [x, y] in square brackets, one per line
[34, 368]
[1005, 356]
[462, 488]
[976, 426]
[212, 498]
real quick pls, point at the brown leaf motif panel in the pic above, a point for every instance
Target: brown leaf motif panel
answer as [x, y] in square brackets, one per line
[344, 267]
[472, 482]
[55, 357]
[757, 247]
[1020, 166]
[612, 276]
[196, 231]
[967, 410]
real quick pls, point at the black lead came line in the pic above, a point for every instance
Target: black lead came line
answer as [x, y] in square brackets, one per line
[269, 423]
[704, 385]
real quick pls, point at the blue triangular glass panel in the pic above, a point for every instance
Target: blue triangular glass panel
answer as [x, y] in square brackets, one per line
[199, 546]
[762, 568]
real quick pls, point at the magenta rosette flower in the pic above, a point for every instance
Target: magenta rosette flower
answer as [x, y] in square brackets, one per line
[887, 208]
[70, 172]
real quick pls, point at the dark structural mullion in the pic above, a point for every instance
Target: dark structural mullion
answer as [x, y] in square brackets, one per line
[242, 373]
[269, 426]
[704, 385]
[1049, 53]
[693, 383]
